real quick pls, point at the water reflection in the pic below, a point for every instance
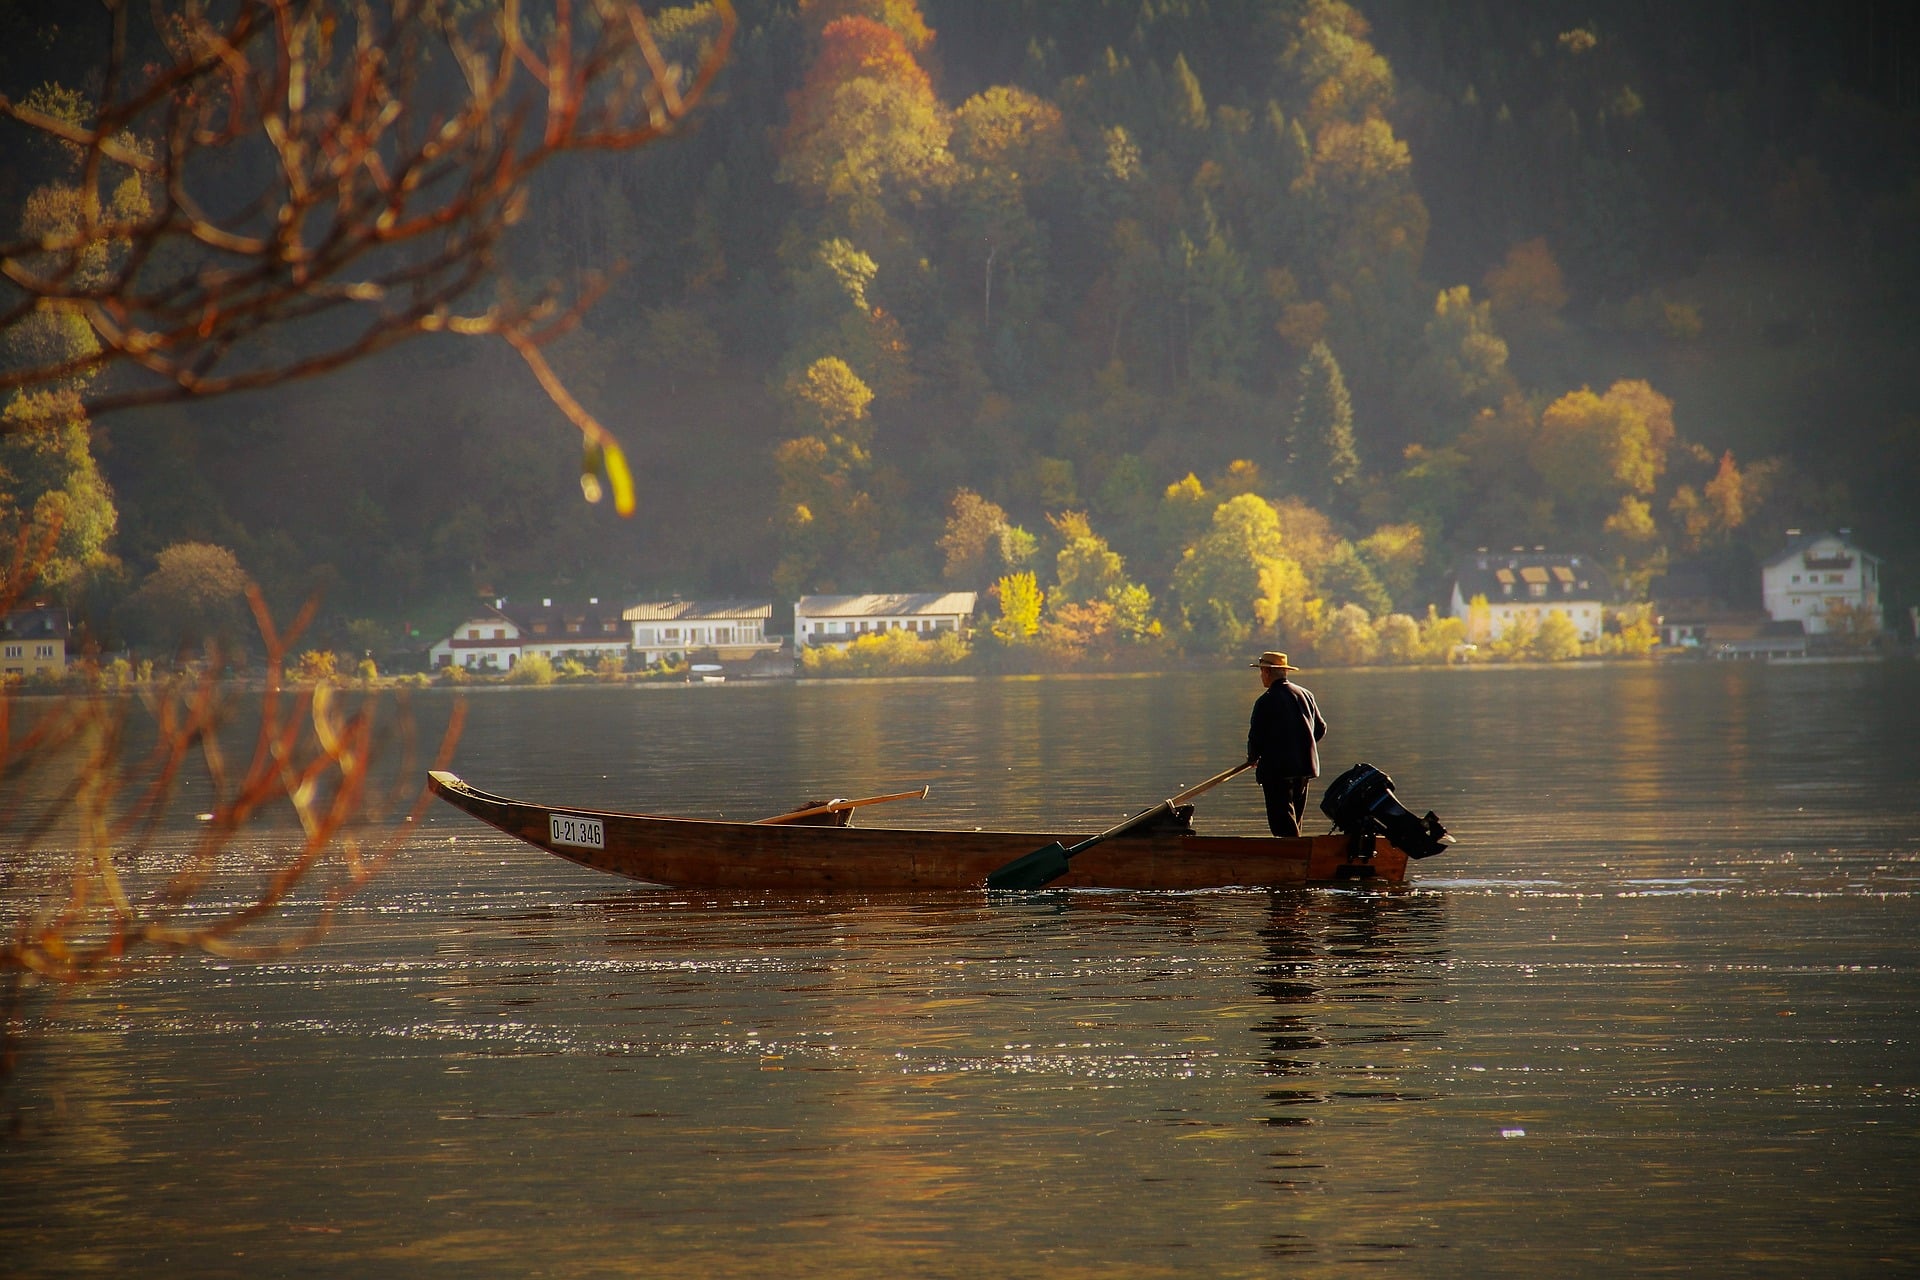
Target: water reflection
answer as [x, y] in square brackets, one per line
[1692, 973]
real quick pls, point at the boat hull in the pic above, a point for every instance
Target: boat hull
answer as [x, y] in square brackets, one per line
[697, 853]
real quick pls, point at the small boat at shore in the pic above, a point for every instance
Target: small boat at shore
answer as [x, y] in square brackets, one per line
[817, 850]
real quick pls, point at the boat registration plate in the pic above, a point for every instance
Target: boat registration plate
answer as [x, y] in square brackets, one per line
[571, 828]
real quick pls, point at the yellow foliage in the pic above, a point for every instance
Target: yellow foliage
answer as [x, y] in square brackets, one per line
[884, 653]
[1632, 521]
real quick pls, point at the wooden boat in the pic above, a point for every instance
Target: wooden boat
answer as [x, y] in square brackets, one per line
[802, 858]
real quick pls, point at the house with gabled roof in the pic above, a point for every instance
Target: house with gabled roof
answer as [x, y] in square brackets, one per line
[1526, 583]
[495, 637]
[486, 640]
[34, 639]
[580, 632]
[735, 630]
[842, 619]
[1817, 577]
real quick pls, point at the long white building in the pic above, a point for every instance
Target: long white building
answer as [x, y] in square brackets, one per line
[819, 620]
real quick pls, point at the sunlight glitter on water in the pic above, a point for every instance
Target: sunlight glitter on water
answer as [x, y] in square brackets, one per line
[1695, 1000]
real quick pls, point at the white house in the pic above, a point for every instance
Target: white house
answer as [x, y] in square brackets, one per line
[583, 633]
[487, 641]
[495, 638]
[1815, 572]
[34, 639]
[734, 629]
[1531, 583]
[821, 620]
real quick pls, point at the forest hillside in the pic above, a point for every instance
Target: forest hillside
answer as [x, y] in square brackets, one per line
[1218, 315]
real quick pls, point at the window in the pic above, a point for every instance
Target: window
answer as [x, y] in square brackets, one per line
[1537, 589]
[44, 651]
[473, 633]
[1796, 577]
[1834, 577]
[499, 633]
[14, 650]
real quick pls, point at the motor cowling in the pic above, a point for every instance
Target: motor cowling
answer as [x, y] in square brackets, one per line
[1361, 802]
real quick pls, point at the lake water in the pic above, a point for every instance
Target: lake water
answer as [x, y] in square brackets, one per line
[1655, 1014]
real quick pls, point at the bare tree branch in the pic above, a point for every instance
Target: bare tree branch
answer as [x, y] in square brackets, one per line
[382, 152]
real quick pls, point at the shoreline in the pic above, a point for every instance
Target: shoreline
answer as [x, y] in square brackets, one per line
[412, 682]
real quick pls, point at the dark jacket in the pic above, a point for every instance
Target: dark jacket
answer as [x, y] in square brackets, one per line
[1284, 733]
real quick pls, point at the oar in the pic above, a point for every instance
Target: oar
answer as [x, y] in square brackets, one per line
[837, 805]
[1043, 866]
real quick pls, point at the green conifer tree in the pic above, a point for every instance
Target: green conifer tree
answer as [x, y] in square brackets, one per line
[1320, 447]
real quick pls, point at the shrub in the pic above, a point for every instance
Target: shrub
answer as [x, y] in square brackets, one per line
[1348, 639]
[1558, 638]
[534, 668]
[1399, 637]
[885, 653]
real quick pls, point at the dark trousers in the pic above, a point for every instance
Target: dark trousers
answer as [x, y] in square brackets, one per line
[1286, 801]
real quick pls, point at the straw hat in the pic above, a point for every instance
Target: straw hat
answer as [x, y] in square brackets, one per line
[1273, 659]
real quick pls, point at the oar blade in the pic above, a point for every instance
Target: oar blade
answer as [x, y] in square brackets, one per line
[1034, 871]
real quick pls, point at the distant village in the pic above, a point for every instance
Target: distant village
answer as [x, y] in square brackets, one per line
[1820, 594]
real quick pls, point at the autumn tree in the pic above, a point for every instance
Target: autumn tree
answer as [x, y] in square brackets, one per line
[197, 593]
[902, 17]
[1399, 638]
[1348, 639]
[1238, 577]
[980, 542]
[1006, 141]
[1357, 176]
[1591, 451]
[1462, 369]
[828, 516]
[866, 135]
[1086, 568]
[1021, 600]
[1558, 639]
[831, 314]
[1395, 553]
[51, 491]
[1527, 284]
[1708, 515]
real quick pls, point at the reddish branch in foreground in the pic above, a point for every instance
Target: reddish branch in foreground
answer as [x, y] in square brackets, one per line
[299, 184]
[92, 884]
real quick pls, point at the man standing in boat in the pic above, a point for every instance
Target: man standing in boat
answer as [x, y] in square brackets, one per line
[1283, 743]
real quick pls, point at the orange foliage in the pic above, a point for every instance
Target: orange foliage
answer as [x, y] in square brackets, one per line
[1528, 280]
[902, 17]
[853, 49]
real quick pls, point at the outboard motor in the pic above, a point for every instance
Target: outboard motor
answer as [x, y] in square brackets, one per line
[1361, 803]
